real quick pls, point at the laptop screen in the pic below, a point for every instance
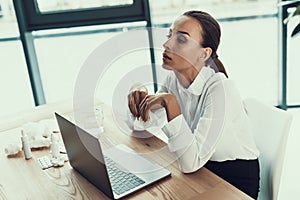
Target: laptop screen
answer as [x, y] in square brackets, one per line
[85, 154]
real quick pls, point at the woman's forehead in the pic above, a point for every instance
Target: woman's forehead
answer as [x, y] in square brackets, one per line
[188, 25]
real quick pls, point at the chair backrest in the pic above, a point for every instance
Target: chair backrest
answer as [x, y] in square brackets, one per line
[270, 129]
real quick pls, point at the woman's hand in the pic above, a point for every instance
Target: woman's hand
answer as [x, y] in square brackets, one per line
[134, 100]
[153, 102]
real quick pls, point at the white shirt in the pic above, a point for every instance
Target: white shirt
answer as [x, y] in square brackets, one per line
[213, 124]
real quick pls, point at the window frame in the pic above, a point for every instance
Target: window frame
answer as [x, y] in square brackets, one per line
[36, 20]
[31, 19]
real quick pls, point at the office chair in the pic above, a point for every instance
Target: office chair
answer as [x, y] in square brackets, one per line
[271, 128]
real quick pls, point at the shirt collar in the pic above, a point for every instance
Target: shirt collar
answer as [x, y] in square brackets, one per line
[198, 84]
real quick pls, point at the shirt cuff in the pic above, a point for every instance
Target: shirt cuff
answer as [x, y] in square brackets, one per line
[173, 127]
[179, 134]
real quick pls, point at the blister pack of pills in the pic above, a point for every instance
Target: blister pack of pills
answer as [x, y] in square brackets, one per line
[45, 162]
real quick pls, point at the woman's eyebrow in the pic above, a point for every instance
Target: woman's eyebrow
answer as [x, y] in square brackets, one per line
[183, 32]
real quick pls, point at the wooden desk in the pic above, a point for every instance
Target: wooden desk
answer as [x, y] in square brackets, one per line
[24, 179]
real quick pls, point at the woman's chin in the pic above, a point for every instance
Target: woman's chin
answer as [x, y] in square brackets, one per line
[167, 67]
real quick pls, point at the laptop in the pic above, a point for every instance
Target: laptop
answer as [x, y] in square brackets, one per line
[117, 172]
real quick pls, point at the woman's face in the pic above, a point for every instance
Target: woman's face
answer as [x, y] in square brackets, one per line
[182, 49]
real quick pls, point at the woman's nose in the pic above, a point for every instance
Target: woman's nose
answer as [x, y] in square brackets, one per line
[167, 44]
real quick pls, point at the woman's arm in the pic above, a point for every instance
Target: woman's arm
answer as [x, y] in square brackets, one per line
[193, 148]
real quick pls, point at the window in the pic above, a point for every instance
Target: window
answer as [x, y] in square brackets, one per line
[46, 6]
[16, 94]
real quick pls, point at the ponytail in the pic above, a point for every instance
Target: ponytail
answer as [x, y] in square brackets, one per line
[215, 63]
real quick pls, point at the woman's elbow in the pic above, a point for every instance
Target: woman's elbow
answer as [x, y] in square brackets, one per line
[189, 169]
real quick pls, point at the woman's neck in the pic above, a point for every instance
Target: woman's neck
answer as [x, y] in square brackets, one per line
[187, 77]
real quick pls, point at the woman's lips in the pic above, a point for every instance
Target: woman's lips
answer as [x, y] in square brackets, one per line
[166, 57]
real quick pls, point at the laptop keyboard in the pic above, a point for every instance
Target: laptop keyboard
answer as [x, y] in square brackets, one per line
[121, 181]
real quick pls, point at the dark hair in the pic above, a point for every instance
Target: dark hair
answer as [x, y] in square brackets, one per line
[211, 37]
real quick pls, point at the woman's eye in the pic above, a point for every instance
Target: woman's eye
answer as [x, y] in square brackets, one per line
[168, 36]
[181, 39]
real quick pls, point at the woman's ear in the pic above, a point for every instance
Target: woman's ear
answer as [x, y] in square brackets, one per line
[206, 53]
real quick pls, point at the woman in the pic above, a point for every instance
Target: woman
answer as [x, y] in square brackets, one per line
[207, 125]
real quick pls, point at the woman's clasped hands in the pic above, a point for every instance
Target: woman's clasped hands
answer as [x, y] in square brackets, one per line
[141, 103]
